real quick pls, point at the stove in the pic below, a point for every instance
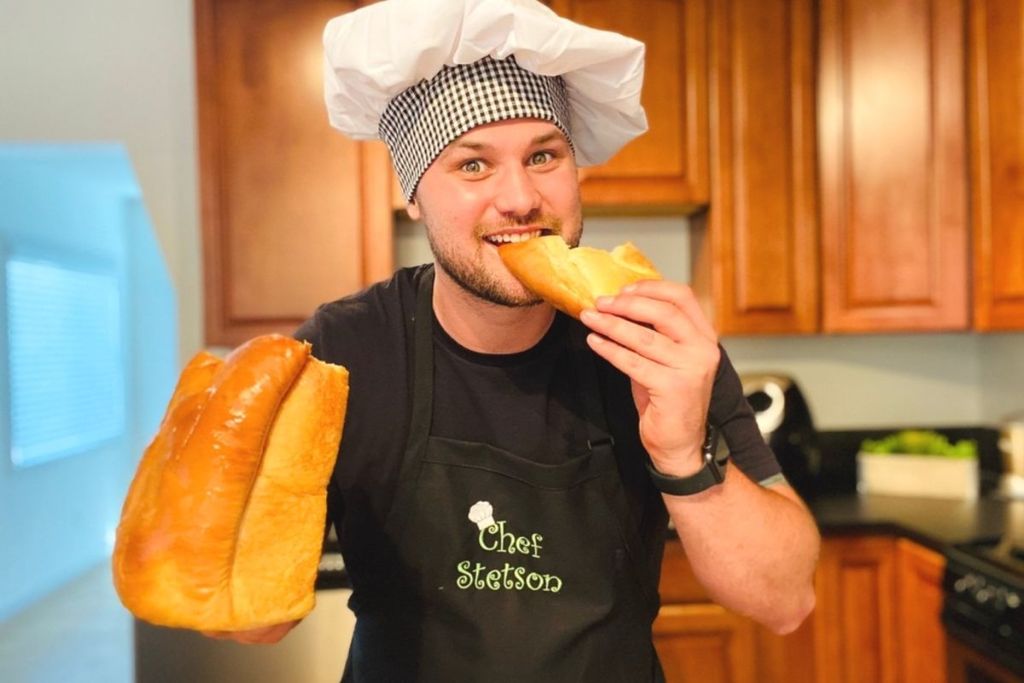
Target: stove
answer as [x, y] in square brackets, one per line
[984, 599]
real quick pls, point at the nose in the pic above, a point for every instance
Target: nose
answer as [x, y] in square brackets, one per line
[516, 193]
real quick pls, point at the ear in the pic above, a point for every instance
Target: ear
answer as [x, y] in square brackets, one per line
[413, 210]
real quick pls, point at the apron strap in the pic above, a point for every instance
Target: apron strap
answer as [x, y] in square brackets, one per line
[420, 364]
[601, 442]
[587, 388]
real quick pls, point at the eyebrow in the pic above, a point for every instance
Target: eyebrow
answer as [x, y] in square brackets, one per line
[481, 146]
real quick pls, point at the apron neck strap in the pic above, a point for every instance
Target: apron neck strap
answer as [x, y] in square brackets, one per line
[422, 354]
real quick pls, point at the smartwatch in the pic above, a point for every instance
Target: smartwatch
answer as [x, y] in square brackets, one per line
[711, 474]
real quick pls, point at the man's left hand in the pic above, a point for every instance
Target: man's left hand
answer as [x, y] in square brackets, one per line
[655, 332]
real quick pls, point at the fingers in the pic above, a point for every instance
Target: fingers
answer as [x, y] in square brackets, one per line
[674, 294]
[635, 366]
[647, 342]
[652, 327]
[653, 318]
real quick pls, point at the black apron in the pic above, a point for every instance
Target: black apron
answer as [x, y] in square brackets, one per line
[510, 570]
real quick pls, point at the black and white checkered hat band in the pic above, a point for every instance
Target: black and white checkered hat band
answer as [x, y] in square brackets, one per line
[420, 121]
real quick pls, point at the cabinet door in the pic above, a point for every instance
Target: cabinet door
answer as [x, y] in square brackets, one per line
[756, 265]
[704, 642]
[893, 165]
[921, 634]
[668, 166]
[855, 622]
[997, 162]
[283, 211]
[787, 659]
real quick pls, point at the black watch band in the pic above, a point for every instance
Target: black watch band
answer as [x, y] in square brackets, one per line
[711, 474]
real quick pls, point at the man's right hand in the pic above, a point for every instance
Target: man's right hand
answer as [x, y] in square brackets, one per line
[266, 635]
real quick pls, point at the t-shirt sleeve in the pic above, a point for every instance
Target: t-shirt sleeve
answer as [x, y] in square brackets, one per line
[734, 418]
[311, 332]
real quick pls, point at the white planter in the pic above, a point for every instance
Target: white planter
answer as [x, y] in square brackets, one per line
[917, 475]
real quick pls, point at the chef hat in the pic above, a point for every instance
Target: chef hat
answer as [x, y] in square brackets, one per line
[420, 73]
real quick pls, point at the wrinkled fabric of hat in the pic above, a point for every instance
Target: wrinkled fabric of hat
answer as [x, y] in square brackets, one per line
[422, 120]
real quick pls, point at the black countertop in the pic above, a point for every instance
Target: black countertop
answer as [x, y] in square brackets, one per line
[936, 523]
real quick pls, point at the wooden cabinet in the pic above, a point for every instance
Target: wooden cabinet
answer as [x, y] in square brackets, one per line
[290, 212]
[996, 78]
[882, 159]
[922, 638]
[667, 168]
[879, 612]
[695, 638]
[755, 252]
[856, 614]
[893, 157]
[704, 642]
[877, 620]
[829, 138]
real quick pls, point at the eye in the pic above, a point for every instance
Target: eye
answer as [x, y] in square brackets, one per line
[472, 166]
[540, 158]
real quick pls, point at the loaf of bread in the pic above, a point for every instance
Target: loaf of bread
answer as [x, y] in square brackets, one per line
[223, 524]
[572, 279]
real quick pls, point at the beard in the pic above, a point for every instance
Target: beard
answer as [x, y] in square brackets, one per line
[472, 275]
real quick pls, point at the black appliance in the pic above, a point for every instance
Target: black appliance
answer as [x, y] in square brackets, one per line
[331, 572]
[983, 611]
[785, 422]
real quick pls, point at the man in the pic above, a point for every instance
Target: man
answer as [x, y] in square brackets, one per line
[506, 475]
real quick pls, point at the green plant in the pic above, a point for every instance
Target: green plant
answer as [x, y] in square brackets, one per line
[920, 442]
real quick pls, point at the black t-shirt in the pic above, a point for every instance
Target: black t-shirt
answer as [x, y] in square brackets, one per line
[525, 403]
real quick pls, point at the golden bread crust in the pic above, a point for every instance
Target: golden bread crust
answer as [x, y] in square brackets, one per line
[572, 279]
[222, 525]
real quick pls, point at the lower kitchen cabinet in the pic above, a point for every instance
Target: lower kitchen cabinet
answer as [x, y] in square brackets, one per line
[856, 587]
[877, 620]
[922, 656]
[705, 642]
[696, 639]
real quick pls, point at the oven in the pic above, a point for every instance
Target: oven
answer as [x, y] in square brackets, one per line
[983, 612]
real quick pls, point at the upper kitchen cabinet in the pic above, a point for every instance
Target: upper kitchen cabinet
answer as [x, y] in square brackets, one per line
[293, 213]
[667, 168]
[997, 161]
[893, 165]
[755, 253]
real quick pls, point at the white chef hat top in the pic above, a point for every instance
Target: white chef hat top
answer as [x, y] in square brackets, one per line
[379, 52]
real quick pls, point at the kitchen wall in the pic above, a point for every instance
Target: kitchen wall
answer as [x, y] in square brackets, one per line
[1002, 375]
[79, 204]
[115, 70]
[109, 71]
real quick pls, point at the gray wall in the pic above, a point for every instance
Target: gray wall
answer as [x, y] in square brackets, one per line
[122, 71]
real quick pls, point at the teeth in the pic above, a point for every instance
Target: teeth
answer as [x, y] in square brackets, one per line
[513, 237]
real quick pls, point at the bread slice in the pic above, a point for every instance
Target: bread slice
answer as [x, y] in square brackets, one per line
[222, 526]
[572, 279]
